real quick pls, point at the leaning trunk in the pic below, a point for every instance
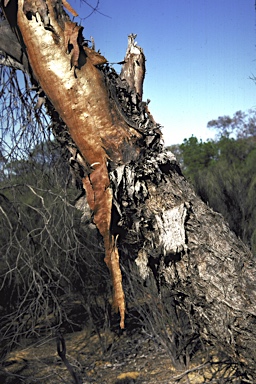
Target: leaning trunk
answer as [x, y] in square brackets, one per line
[145, 210]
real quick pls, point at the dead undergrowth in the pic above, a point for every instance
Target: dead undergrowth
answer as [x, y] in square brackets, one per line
[109, 357]
[126, 360]
[157, 346]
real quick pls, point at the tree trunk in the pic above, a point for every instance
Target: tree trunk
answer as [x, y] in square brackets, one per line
[145, 210]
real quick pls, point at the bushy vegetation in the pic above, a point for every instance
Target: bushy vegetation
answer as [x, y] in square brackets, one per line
[52, 269]
[223, 171]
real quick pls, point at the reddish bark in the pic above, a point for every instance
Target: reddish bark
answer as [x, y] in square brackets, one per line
[207, 273]
[67, 73]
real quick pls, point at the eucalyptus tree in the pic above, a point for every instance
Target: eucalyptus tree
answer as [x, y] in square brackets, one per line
[152, 223]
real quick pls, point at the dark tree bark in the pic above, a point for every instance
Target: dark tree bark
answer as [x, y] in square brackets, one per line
[145, 210]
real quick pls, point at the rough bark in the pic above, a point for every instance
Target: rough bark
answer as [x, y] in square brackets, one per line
[142, 205]
[133, 69]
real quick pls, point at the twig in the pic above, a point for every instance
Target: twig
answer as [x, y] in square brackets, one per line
[61, 349]
[198, 367]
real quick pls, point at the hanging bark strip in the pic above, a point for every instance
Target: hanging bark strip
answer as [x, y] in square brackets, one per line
[68, 75]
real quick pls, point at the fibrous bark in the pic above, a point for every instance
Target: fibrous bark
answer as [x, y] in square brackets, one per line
[133, 69]
[179, 240]
[142, 205]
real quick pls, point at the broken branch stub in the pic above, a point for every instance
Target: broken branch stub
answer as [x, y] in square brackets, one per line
[133, 69]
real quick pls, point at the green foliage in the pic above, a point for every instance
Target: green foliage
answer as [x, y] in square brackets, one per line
[197, 155]
[224, 172]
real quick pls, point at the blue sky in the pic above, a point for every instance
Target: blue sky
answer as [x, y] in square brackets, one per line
[200, 56]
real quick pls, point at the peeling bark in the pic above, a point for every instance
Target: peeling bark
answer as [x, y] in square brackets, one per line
[11, 49]
[100, 136]
[133, 69]
[183, 243]
[142, 205]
